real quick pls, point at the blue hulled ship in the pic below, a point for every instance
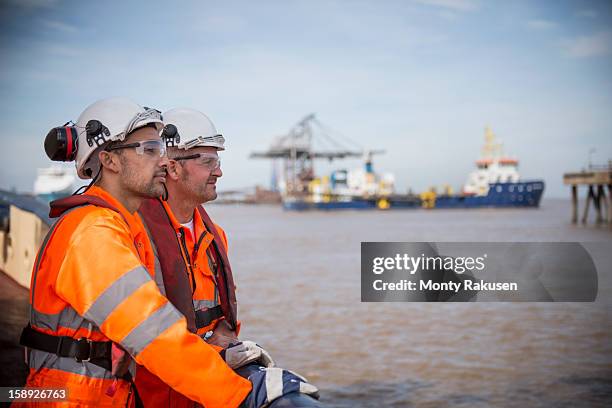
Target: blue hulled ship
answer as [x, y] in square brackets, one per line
[494, 183]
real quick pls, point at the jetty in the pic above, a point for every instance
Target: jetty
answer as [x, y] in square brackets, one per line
[595, 178]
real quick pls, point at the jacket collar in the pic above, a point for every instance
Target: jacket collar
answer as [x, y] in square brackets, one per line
[132, 219]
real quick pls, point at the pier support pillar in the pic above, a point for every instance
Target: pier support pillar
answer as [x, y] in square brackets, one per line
[590, 195]
[605, 207]
[610, 204]
[598, 197]
[574, 204]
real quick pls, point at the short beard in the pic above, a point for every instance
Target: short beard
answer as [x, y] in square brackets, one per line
[197, 192]
[135, 184]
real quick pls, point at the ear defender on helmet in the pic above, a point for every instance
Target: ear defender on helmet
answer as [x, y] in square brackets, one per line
[170, 135]
[61, 143]
[96, 132]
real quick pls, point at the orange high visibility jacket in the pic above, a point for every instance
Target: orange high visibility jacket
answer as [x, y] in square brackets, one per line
[199, 287]
[202, 264]
[94, 279]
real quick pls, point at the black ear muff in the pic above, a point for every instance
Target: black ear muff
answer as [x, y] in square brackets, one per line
[96, 133]
[170, 135]
[61, 143]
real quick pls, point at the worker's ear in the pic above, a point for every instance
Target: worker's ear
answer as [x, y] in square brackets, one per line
[174, 169]
[110, 161]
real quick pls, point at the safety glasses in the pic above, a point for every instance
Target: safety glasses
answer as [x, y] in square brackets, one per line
[209, 160]
[149, 148]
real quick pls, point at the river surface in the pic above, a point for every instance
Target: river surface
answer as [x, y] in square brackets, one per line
[298, 278]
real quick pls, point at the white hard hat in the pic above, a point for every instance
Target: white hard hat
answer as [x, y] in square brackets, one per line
[107, 120]
[186, 128]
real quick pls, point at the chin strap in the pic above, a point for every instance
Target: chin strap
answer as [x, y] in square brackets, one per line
[93, 181]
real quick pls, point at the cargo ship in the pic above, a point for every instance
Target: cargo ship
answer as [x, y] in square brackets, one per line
[494, 183]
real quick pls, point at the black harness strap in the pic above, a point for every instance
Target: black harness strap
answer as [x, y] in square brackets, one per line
[207, 316]
[95, 352]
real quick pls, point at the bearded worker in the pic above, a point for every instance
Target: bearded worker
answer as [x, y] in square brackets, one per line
[96, 310]
[191, 253]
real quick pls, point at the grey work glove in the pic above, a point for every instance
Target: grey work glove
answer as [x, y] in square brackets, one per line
[246, 352]
[270, 384]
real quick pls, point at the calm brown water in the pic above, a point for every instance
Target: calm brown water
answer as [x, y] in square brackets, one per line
[298, 277]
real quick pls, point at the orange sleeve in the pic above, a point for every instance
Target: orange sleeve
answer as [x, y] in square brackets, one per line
[102, 278]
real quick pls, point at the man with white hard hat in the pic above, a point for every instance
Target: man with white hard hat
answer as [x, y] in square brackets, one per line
[96, 310]
[202, 286]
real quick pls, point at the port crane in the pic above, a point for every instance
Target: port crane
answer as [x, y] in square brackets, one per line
[305, 142]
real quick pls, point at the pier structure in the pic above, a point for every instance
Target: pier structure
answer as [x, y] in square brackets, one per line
[596, 178]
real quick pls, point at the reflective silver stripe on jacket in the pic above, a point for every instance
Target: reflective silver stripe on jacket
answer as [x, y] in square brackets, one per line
[204, 304]
[41, 359]
[68, 318]
[116, 293]
[150, 328]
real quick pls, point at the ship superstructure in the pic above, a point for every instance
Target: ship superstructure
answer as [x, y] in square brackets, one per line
[54, 182]
[492, 167]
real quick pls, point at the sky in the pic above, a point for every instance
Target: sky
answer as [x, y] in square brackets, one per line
[419, 79]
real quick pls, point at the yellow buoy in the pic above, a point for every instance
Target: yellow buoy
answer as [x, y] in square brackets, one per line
[383, 204]
[428, 199]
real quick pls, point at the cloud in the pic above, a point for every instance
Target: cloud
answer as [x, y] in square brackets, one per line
[540, 24]
[455, 5]
[596, 45]
[587, 13]
[60, 26]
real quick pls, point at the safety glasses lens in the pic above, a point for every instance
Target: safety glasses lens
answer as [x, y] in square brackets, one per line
[155, 148]
[211, 162]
